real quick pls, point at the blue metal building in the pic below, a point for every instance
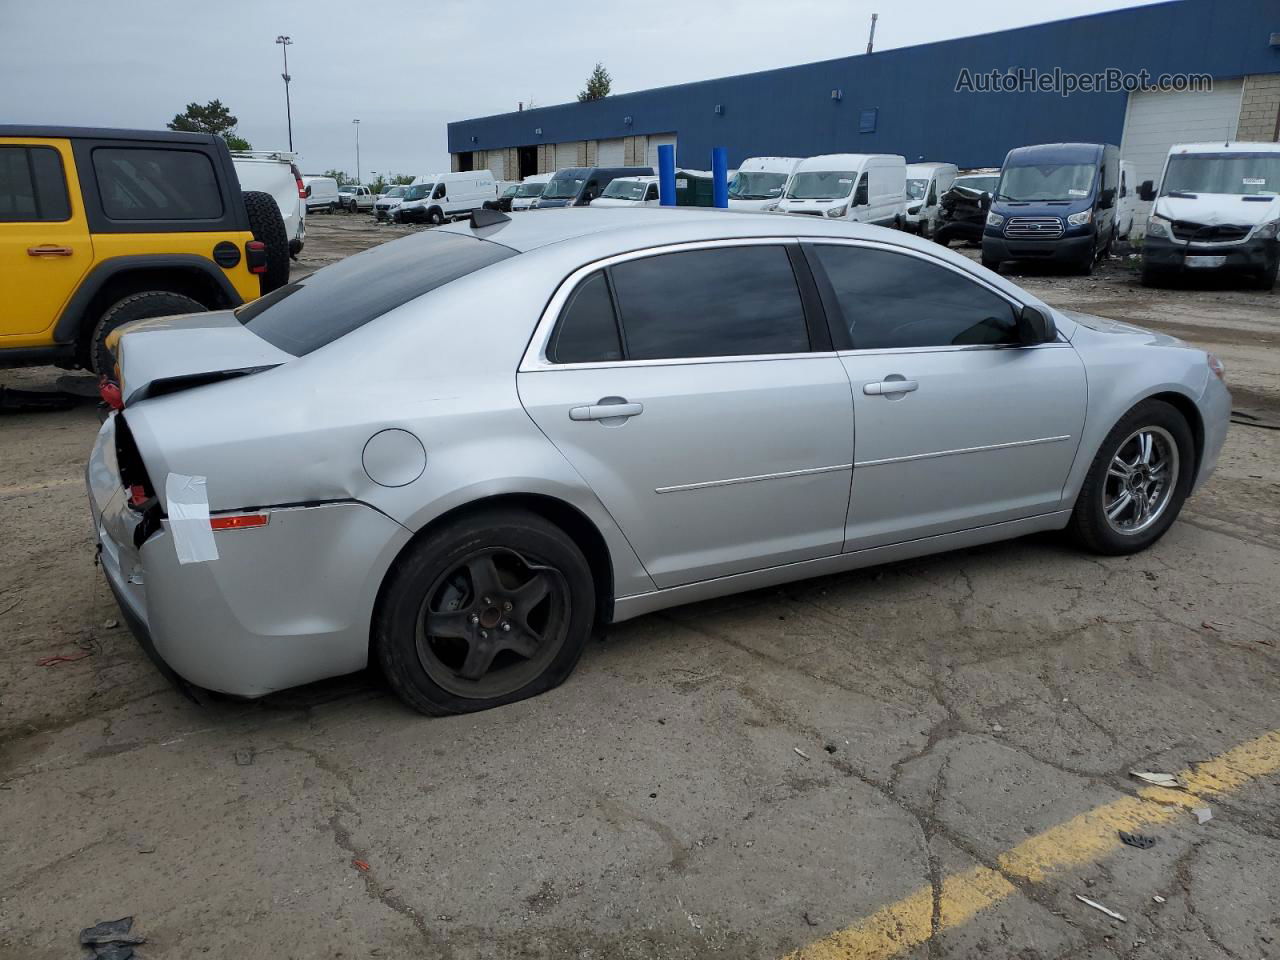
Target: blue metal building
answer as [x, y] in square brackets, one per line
[905, 100]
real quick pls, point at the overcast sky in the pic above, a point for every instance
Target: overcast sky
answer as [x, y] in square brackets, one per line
[408, 67]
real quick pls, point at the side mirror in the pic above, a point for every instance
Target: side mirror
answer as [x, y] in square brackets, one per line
[1035, 327]
[1147, 190]
[985, 200]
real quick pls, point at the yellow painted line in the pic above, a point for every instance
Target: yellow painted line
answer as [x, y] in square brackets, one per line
[1085, 838]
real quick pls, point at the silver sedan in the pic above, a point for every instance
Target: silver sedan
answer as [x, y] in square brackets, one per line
[463, 453]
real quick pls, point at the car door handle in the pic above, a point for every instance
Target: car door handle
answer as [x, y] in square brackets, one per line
[885, 388]
[606, 411]
[48, 250]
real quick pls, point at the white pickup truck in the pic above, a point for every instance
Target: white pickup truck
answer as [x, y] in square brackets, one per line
[276, 173]
[354, 197]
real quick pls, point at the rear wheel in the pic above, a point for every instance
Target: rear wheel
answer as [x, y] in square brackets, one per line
[487, 610]
[138, 306]
[1138, 481]
[1266, 278]
[267, 225]
[1151, 277]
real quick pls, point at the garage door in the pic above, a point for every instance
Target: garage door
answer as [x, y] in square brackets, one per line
[657, 140]
[1153, 122]
[610, 153]
[567, 154]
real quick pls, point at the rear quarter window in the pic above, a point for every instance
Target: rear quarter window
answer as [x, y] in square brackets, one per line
[330, 303]
[142, 184]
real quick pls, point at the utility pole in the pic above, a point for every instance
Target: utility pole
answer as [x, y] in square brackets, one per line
[284, 42]
[871, 39]
[357, 125]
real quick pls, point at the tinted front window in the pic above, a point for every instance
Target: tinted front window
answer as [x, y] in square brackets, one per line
[981, 184]
[1063, 181]
[330, 303]
[530, 189]
[916, 189]
[143, 184]
[562, 189]
[733, 301]
[417, 192]
[757, 185]
[821, 185]
[625, 190]
[588, 329]
[890, 300]
[32, 185]
[1242, 174]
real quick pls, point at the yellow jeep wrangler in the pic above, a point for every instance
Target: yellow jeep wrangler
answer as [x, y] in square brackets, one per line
[101, 227]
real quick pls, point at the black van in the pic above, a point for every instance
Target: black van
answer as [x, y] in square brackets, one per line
[578, 186]
[1054, 202]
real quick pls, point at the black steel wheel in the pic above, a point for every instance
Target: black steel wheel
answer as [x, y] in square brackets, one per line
[486, 610]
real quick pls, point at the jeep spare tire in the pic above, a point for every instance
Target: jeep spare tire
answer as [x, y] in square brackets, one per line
[268, 226]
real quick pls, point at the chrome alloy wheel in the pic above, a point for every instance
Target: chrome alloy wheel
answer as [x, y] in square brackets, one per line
[1140, 480]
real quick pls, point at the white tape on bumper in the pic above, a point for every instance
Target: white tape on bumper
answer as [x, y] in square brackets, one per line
[189, 518]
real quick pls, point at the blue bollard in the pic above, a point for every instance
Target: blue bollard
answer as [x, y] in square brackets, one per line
[666, 176]
[720, 177]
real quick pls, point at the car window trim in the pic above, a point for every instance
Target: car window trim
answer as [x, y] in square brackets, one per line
[535, 356]
[840, 329]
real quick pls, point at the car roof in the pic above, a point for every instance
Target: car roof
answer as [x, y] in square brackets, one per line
[1056, 152]
[102, 133]
[1224, 146]
[619, 229]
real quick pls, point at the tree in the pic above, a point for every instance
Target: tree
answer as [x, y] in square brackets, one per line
[403, 178]
[599, 85]
[339, 175]
[212, 117]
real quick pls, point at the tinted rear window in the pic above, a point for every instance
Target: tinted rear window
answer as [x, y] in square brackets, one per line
[304, 316]
[143, 184]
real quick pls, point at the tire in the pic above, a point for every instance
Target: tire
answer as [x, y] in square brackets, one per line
[1173, 446]
[267, 226]
[1266, 277]
[435, 217]
[1151, 277]
[332, 209]
[990, 264]
[137, 306]
[1085, 267]
[434, 579]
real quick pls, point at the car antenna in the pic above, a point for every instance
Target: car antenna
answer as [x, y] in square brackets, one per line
[487, 218]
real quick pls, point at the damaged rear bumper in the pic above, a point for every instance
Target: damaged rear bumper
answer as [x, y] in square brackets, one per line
[281, 605]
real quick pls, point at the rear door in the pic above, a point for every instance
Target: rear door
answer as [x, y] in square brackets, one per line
[957, 426]
[695, 392]
[45, 248]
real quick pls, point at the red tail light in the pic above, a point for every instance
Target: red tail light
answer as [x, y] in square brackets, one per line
[109, 391]
[297, 178]
[255, 255]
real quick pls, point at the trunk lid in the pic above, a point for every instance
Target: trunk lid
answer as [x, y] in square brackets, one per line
[166, 354]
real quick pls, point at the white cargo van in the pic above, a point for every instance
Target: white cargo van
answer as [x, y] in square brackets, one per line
[322, 194]
[760, 182]
[530, 190]
[926, 183]
[1127, 200]
[439, 197]
[629, 192]
[862, 187]
[1217, 209]
[274, 172]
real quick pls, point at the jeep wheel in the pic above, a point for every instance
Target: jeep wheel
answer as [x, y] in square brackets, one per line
[138, 306]
[267, 226]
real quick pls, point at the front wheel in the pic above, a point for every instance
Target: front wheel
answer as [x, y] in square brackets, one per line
[991, 264]
[436, 216]
[487, 610]
[1138, 481]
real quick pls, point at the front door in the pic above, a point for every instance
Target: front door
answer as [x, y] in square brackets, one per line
[699, 411]
[956, 425]
[44, 238]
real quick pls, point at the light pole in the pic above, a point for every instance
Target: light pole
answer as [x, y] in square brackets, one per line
[357, 126]
[284, 42]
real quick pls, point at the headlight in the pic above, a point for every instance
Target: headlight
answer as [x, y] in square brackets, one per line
[839, 211]
[994, 219]
[1267, 231]
[1081, 218]
[1158, 227]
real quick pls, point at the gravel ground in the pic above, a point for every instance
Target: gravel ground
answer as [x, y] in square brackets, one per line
[738, 778]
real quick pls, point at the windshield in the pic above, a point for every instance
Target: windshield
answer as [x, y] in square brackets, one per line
[419, 191]
[1241, 174]
[981, 184]
[530, 189]
[916, 189]
[396, 192]
[625, 190]
[330, 303]
[563, 188]
[821, 185]
[346, 188]
[511, 190]
[757, 185]
[1067, 181]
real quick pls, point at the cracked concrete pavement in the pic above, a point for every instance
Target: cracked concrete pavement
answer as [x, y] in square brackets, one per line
[655, 805]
